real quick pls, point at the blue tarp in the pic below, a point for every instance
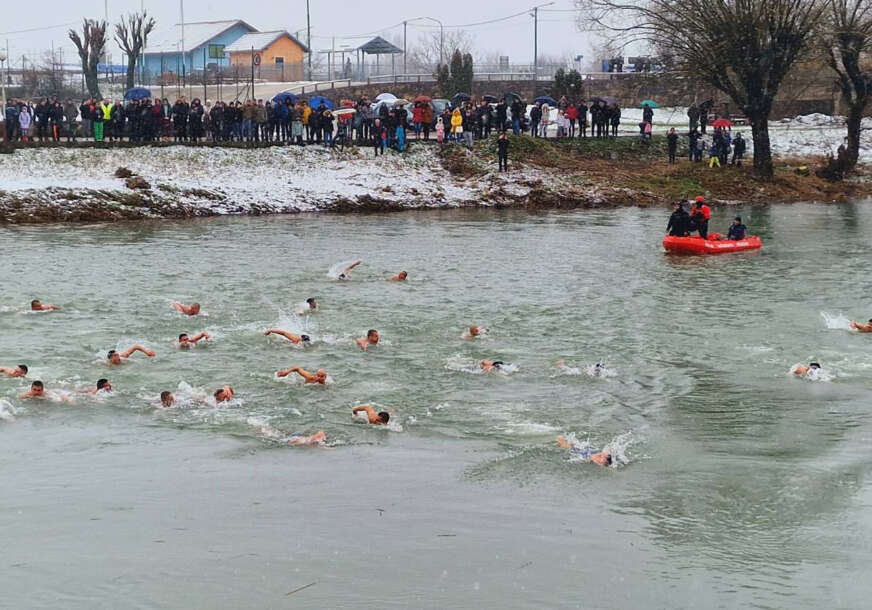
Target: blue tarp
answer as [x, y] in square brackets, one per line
[137, 93]
[111, 69]
[284, 95]
[314, 102]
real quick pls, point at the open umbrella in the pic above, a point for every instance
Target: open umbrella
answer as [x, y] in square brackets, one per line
[381, 97]
[344, 111]
[316, 101]
[608, 99]
[722, 123]
[490, 99]
[511, 96]
[649, 103]
[137, 93]
[545, 99]
[461, 97]
[424, 99]
[280, 98]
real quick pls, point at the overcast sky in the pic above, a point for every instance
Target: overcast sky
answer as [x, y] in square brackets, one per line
[514, 37]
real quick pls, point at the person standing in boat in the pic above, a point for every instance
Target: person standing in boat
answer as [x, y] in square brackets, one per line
[679, 221]
[700, 215]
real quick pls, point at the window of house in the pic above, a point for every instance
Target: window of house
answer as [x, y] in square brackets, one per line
[280, 60]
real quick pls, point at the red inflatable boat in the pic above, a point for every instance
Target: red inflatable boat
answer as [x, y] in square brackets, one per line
[712, 245]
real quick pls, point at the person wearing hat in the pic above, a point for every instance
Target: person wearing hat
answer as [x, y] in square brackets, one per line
[737, 230]
[679, 221]
[700, 215]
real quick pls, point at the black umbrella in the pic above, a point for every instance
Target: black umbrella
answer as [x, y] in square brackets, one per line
[461, 97]
[490, 99]
[608, 99]
[507, 96]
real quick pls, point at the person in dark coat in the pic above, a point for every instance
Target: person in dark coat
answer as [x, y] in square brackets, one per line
[503, 152]
[739, 145]
[582, 119]
[195, 120]
[501, 114]
[679, 221]
[692, 118]
[672, 144]
[535, 117]
[180, 119]
[615, 119]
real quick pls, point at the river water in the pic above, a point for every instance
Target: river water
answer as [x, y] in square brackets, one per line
[738, 485]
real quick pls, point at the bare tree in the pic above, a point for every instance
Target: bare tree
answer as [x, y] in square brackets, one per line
[425, 54]
[741, 47]
[847, 38]
[90, 46]
[131, 34]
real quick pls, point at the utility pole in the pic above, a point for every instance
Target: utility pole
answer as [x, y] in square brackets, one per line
[404, 47]
[252, 72]
[309, 37]
[536, 46]
[182, 13]
[4, 75]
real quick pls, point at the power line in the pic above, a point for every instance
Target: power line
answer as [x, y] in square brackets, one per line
[42, 29]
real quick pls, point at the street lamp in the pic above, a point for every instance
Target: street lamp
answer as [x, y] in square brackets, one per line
[535, 16]
[441, 35]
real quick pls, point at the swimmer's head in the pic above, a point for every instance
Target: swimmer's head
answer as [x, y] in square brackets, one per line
[384, 416]
[342, 276]
[195, 308]
[321, 375]
[113, 357]
[35, 304]
[225, 393]
[498, 363]
[609, 459]
[372, 336]
[474, 331]
[403, 275]
[37, 388]
[305, 338]
[23, 369]
[183, 338]
[311, 302]
[166, 398]
[814, 365]
[103, 384]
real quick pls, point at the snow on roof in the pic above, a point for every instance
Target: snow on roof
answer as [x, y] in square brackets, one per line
[260, 41]
[168, 39]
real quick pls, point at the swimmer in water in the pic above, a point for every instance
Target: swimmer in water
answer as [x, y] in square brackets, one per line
[17, 371]
[400, 277]
[602, 458]
[114, 358]
[185, 341]
[376, 419]
[319, 438]
[37, 390]
[167, 399]
[372, 338]
[295, 339]
[863, 328]
[189, 310]
[224, 394]
[473, 331]
[35, 305]
[103, 385]
[802, 370]
[490, 365]
[319, 376]
[345, 275]
[313, 305]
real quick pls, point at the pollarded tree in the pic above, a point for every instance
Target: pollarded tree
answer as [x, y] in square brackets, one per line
[744, 48]
[131, 34]
[847, 38]
[90, 46]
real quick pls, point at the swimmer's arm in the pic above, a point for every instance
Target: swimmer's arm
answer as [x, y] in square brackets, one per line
[563, 443]
[87, 391]
[286, 372]
[361, 343]
[352, 266]
[137, 348]
[178, 306]
[50, 308]
[6, 371]
[277, 331]
[370, 412]
[200, 336]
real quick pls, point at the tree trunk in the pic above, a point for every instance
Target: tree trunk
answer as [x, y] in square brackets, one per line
[762, 147]
[91, 83]
[131, 70]
[855, 115]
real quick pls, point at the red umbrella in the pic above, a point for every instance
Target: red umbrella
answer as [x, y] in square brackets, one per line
[722, 123]
[425, 99]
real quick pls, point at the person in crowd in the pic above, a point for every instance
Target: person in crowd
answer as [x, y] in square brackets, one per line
[24, 121]
[738, 150]
[648, 114]
[379, 136]
[503, 152]
[456, 124]
[43, 117]
[616, 119]
[700, 215]
[195, 120]
[261, 121]
[672, 144]
[582, 119]
[376, 419]
[101, 111]
[14, 371]
[737, 230]
[418, 118]
[181, 112]
[293, 338]
[469, 127]
[692, 118]
[501, 113]
[517, 109]
[535, 118]
[571, 115]
[427, 120]
[700, 148]
[440, 131]
[544, 121]
[319, 377]
[679, 222]
[56, 118]
[11, 113]
[714, 153]
[600, 458]
[372, 339]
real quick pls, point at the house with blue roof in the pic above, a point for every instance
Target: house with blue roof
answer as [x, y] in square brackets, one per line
[204, 44]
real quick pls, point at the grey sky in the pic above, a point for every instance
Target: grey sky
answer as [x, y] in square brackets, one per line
[514, 37]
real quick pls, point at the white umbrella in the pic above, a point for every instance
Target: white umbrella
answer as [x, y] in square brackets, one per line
[344, 111]
[381, 97]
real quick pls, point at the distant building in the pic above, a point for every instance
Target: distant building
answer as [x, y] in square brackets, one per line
[277, 50]
[205, 43]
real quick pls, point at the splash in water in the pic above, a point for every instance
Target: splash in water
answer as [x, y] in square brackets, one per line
[813, 374]
[338, 270]
[8, 411]
[597, 370]
[617, 448]
[836, 321]
[462, 364]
